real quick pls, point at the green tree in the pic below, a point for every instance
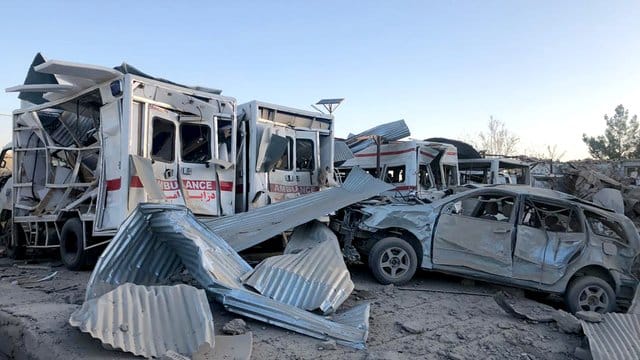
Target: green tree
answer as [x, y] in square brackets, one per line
[620, 139]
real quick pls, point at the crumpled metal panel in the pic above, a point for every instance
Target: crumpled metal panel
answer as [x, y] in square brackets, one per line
[134, 256]
[315, 278]
[309, 235]
[156, 239]
[349, 328]
[395, 130]
[341, 152]
[617, 337]
[149, 321]
[245, 230]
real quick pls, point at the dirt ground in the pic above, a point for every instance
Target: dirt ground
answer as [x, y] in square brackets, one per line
[433, 317]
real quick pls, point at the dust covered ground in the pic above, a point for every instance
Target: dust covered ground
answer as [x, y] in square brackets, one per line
[432, 317]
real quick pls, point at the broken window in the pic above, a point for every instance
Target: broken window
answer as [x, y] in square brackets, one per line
[489, 207]
[550, 217]
[285, 161]
[196, 143]
[304, 155]
[424, 177]
[163, 140]
[395, 174]
[450, 175]
[602, 226]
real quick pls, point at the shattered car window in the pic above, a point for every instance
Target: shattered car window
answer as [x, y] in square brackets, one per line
[196, 143]
[285, 162]
[551, 217]
[488, 207]
[163, 141]
[395, 174]
[424, 177]
[602, 226]
[304, 154]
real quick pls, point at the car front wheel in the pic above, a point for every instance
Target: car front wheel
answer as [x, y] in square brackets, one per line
[590, 293]
[392, 260]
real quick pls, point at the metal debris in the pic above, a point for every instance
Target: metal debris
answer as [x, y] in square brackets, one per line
[617, 337]
[309, 235]
[245, 230]
[341, 152]
[395, 130]
[157, 239]
[149, 321]
[315, 278]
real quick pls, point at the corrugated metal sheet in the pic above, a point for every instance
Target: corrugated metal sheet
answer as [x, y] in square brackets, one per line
[134, 256]
[245, 230]
[315, 278]
[395, 130]
[341, 152]
[156, 239]
[149, 321]
[349, 328]
[309, 235]
[617, 337]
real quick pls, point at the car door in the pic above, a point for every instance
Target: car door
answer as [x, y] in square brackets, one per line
[307, 161]
[475, 232]
[163, 152]
[197, 174]
[282, 176]
[549, 235]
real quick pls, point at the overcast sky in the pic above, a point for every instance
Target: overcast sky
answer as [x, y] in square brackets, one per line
[549, 69]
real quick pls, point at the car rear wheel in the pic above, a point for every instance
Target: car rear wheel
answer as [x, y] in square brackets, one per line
[590, 293]
[392, 260]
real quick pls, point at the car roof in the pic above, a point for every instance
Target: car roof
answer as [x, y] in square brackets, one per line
[546, 193]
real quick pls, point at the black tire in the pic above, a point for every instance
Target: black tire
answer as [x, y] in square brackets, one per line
[590, 293]
[15, 243]
[72, 252]
[392, 260]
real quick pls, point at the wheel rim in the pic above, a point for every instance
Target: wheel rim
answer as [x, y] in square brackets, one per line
[593, 298]
[394, 262]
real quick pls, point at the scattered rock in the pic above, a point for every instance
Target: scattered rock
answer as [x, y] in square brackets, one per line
[448, 339]
[235, 327]
[124, 327]
[567, 323]
[383, 355]
[412, 327]
[582, 353]
[504, 325]
[589, 316]
[364, 294]
[525, 356]
[455, 356]
[389, 289]
[328, 345]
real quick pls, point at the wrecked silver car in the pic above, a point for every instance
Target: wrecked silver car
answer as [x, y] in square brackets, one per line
[517, 235]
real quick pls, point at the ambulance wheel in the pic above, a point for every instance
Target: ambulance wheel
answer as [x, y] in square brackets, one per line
[72, 250]
[15, 247]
